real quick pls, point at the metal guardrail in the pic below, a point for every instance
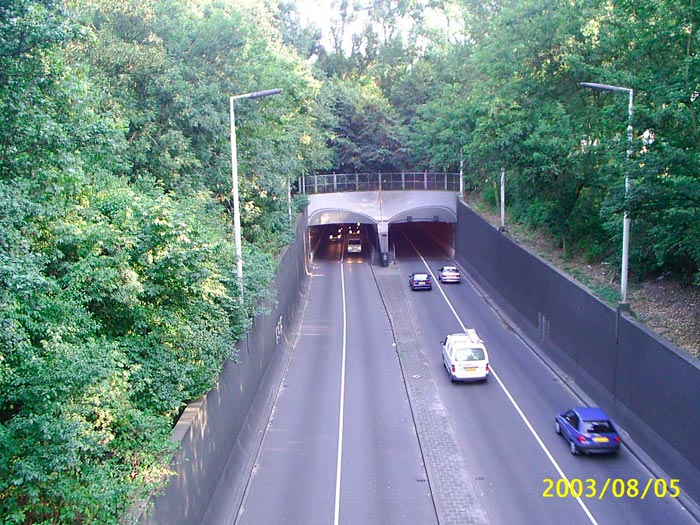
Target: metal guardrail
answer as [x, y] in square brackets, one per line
[340, 182]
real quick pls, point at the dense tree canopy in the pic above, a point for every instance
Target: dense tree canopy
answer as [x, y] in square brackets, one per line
[497, 84]
[117, 268]
[117, 272]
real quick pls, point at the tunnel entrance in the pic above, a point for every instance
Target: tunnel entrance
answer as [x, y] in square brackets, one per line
[332, 241]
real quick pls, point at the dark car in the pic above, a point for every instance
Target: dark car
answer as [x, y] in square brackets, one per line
[420, 281]
[588, 430]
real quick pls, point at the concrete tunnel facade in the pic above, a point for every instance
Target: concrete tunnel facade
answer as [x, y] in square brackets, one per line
[382, 208]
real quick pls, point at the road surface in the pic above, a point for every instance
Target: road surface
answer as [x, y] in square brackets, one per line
[363, 431]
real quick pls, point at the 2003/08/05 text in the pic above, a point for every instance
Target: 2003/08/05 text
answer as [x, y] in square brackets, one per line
[617, 488]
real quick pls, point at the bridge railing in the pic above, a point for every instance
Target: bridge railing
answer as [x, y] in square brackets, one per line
[340, 182]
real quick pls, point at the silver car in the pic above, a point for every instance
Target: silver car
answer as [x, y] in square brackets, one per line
[449, 274]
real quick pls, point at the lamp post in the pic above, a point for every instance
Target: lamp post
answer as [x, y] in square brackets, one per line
[234, 179]
[626, 219]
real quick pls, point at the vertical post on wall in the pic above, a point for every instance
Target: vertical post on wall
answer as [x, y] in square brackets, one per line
[289, 200]
[626, 217]
[503, 199]
[235, 198]
[461, 177]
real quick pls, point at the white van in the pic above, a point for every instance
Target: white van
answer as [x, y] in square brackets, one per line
[465, 357]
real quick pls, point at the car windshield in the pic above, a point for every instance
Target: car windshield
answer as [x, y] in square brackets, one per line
[354, 241]
[449, 269]
[598, 427]
[420, 276]
[469, 354]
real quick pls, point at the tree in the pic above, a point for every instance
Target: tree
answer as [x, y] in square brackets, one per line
[660, 64]
[367, 135]
[120, 302]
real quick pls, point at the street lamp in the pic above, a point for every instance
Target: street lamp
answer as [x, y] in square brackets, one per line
[234, 179]
[626, 219]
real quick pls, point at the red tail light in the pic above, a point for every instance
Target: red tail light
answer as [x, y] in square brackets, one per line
[617, 439]
[581, 439]
[453, 368]
[487, 367]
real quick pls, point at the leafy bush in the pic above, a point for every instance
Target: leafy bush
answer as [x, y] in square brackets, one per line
[120, 299]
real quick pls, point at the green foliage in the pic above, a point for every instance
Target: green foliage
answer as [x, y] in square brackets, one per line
[499, 89]
[440, 128]
[367, 133]
[129, 314]
[513, 102]
[120, 301]
[658, 61]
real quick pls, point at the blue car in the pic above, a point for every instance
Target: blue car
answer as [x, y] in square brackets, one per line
[420, 281]
[588, 430]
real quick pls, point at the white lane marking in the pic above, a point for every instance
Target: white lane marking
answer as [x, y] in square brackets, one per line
[339, 460]
[509, 396]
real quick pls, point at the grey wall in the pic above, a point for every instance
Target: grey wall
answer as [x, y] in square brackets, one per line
[209, 428]
[646, 383]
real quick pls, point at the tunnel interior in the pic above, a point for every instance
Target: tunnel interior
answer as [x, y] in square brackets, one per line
[330, 241]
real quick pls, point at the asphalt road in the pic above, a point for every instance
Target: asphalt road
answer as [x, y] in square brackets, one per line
[506, 426]
[342, 446]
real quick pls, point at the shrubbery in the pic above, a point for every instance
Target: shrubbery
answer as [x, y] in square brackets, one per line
[120, 300]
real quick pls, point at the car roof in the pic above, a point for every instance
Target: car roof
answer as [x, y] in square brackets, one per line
[419, 275]
[591, 413]
[449, 267]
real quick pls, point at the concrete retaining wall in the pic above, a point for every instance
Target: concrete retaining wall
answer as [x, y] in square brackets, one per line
[646, 383]
[209, 429]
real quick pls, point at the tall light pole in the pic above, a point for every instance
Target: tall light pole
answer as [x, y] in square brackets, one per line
[234, 179]
[503, 199]
[626, 219]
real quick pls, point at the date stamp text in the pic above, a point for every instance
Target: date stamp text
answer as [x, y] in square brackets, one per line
[616, 488]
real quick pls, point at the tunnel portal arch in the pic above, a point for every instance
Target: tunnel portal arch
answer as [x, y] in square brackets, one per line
[380, 209]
